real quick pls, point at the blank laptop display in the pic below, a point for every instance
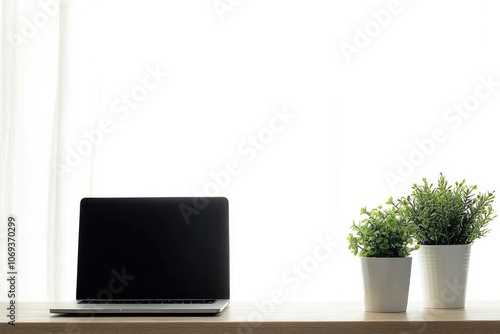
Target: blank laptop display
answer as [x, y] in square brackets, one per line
[152, 255]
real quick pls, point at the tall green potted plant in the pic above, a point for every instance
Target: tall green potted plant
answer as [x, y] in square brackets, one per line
[447, 219]
[383, 240]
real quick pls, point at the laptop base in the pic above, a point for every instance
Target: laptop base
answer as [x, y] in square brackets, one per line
[76, 308]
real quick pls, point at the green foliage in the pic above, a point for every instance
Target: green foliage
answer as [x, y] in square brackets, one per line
[382, 232]
[448, 214]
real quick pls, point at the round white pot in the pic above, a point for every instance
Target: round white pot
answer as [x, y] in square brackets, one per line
[444, 275]
[386, 282]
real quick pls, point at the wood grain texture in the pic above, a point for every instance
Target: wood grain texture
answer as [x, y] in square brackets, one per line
[287, 318]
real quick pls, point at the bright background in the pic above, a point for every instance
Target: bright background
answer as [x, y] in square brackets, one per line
[353, 122]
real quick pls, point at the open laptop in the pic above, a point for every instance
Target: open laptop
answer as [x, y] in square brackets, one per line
[152, 255]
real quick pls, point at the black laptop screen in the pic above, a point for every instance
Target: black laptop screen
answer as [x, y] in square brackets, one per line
[153, 248]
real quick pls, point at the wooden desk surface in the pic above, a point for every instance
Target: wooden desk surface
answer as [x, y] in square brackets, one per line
[246, 318]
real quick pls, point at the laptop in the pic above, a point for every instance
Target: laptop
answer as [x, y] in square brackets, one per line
[152, 255]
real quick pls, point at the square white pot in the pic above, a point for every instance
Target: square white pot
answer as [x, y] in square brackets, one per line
[386, 283]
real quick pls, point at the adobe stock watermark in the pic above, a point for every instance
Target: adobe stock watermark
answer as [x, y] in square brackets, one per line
[449, 294]
[223, 7]
[31, 26]
[247, 151]
[117, 283]
[292, 278]
[379, 21]
[453, 118]
[121, 107]
[12, 246]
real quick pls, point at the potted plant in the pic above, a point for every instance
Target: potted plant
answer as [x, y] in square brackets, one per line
[383, 240]
[447, 219]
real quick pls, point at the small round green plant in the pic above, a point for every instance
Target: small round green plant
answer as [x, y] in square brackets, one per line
[448, 214]
[382, 232]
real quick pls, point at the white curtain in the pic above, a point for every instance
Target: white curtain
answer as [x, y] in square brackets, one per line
[162, 98]
[41, 107]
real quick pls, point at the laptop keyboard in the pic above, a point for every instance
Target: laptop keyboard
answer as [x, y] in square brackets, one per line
[155, 301]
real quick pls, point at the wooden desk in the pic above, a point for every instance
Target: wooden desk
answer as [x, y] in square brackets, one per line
[287, 318]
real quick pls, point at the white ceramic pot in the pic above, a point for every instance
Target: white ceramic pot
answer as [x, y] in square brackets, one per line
[444, 275]
[387, 282]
